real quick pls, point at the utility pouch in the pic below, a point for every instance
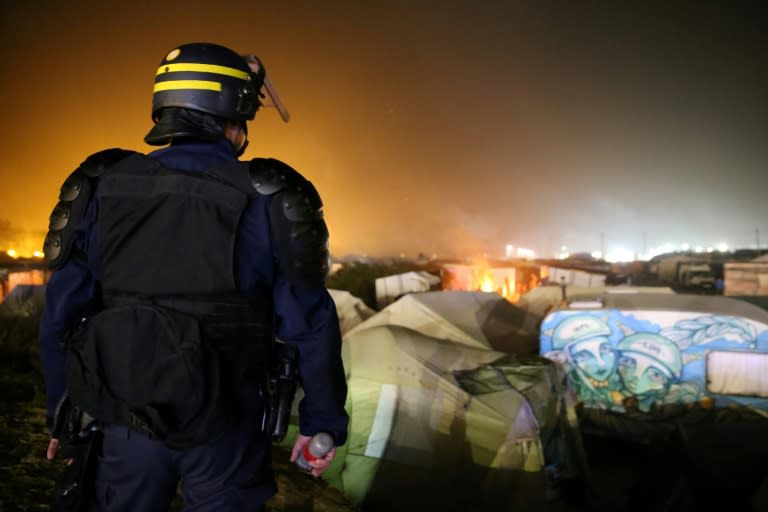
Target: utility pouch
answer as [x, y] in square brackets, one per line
[149, 368]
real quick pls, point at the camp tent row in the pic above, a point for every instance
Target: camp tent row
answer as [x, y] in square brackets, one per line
[450, 407]
[447, 412]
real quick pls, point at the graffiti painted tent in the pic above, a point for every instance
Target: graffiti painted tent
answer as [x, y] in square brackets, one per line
[644, 353]
[441, 417]
[540, 301]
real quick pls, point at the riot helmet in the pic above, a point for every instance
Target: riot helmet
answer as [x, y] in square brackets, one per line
[208, 78]
[199, 85]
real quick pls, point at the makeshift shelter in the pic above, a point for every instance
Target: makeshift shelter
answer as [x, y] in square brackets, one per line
[351, 310]
[746, 278]
[540, 301]
[652, 356]
[11, 278]
[510, 279]
[24, 299]
[391, 288]
[574, 277]
[443, 416]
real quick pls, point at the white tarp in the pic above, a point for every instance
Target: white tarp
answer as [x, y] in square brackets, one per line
[391, 288]
[574, 277]
[737, 373]
[540, 301]
[439, 420]
[351, 310]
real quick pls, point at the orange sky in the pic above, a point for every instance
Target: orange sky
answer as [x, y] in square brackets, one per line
[439, 127]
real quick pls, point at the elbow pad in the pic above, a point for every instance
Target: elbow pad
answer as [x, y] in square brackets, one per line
[74, 196]
[296, 220]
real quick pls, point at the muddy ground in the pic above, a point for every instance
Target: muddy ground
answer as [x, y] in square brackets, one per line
[27, 478]
[722, 465]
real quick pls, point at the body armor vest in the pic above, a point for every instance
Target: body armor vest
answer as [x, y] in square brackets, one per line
[175, 337]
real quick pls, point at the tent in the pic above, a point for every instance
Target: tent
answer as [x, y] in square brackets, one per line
[652, 356]
[391, 288]
[24, 299]
[448, 408]
[746, 278]
[541, 300]
[574, 277]
[351, 310]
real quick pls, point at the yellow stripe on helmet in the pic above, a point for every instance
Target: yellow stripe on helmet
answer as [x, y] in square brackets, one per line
[173, 85]
[202, 68]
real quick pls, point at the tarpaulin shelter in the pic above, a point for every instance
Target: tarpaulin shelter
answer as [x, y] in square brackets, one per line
[24, 299]
[391, 288]
[541, 300]
[351, 310]
[651, 355]
[450, 407]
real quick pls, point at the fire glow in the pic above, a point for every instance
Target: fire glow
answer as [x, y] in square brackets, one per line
[481, 277]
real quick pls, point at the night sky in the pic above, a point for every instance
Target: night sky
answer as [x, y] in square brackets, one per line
[449, 128]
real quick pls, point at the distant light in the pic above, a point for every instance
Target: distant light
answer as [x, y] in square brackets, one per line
[509, 250]
[653, 251]
[598, 255]
[685, 247]
[699, 248]
[524, 253]
[12, 253]
[710, 249]
[722, 247]
[662, 249]
[620, 255]
[38, 254]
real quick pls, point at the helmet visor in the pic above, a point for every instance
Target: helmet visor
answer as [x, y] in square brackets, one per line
[267, 92]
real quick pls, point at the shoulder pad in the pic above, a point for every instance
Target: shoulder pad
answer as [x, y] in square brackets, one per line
[73, 200]
[296, 219]
[269, 176]
[298, 197]
[95, 165]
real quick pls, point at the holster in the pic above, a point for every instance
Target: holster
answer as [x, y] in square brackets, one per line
[283, 382]
[80, 440]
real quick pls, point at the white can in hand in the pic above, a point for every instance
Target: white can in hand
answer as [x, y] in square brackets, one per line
[317, 448]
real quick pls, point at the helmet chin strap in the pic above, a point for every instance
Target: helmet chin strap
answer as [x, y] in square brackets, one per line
[243, 146]
[242, 140]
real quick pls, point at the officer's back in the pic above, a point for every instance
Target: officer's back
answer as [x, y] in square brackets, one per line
[185, 263]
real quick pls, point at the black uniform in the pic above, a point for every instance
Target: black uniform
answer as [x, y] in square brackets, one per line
[221, 255]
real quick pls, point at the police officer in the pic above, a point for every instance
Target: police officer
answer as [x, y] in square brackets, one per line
[172, 273]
